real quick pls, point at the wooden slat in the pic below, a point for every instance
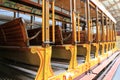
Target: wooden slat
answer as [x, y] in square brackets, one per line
[13, 33]
[65, 4]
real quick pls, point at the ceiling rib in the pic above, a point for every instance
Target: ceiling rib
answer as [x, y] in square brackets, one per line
[111, 5]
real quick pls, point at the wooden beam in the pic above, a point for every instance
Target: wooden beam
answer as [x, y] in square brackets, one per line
[28, 3]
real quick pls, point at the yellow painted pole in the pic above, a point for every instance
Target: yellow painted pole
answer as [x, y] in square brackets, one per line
[79, 27]
[47, 20]
[43, 17]
[91, 35]
[53, 21]
[88, 34]
[115, 32]
[112, 32]
[88, 20]
[97, 26]
[74, 21]
[107, 29]
[103, 33]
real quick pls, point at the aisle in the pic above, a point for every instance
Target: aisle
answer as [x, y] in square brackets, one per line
[10, 71]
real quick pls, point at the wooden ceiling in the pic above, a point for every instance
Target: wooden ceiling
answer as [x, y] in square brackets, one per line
[65, 4]
[80, 6]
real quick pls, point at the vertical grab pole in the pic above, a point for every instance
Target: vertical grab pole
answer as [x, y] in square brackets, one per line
[97, 33]
[74, 21]
[97, 29]
[78, 27]
[111, 31]
[73, 48]
[88, 20]
[106, 29]
[43, 17]
[103, 33]
[114, 32]
[53, 21]
[110, 34]
[45, 21]
[88, 32]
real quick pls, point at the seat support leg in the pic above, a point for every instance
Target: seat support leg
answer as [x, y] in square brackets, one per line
[45, 70]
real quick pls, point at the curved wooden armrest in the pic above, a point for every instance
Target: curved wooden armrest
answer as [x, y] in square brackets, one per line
[33, 37]
[66, 38]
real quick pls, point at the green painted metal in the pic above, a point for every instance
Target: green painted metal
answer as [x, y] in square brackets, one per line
[28, 9]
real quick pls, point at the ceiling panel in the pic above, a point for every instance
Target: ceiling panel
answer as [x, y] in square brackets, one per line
[113, 6]
[118, 5]
[111, 1]
[116, 0]
[106, 3]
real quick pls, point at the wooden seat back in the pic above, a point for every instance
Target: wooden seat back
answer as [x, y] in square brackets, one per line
[58, 35]
[38, 39]
[82, 36]
[67, 37]
[62, 37]
[13, 33]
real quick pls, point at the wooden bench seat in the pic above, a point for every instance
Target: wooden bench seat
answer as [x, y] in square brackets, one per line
[14, 43]
[13, 33]
[60, 37]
